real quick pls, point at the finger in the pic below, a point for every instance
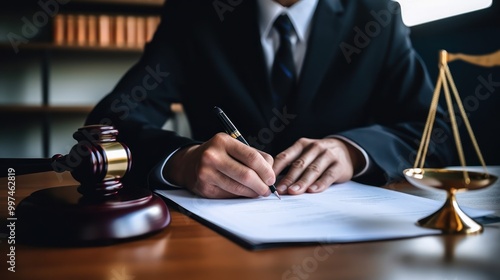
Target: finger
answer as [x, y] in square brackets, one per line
[243, 177]
[284, 161]
[240, 162]
[285, 158]
[310, 175]
[267, 157]
[339, 171]
[293, 180]
[217, 166]
[232, 186]
[253, 160]
[328, 177]
[215, 184]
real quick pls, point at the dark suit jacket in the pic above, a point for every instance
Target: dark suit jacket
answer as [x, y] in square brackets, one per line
[361, 79]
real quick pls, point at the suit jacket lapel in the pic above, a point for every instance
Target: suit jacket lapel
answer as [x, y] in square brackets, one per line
[245, 49]
[322, 46]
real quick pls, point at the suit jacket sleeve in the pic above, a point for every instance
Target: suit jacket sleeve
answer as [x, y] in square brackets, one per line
[140, 103]
[403, 93]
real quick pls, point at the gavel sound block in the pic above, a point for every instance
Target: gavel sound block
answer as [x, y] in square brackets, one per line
[101, 209]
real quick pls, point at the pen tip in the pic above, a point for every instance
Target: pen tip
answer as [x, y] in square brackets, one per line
[277, 195]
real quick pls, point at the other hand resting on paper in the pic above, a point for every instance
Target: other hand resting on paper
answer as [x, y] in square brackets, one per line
[223, 167]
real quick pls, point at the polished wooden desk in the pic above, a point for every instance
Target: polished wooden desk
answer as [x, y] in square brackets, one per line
[188, 250]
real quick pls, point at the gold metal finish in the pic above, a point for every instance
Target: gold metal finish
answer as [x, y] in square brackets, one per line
[235, 134]
[117, 159]
[450, 218]
[487, 60]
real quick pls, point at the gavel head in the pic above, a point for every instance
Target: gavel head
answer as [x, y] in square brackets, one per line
[98, 161]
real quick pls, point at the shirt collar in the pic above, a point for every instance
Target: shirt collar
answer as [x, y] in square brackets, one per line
[300, 15]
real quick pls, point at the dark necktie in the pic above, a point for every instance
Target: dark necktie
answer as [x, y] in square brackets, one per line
[283, 74]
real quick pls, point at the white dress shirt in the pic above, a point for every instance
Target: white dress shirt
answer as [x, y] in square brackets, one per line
[301, 15]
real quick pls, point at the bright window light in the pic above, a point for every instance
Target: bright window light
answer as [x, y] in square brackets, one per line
[415, 12]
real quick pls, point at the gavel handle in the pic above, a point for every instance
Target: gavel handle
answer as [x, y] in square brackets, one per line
[24, 166]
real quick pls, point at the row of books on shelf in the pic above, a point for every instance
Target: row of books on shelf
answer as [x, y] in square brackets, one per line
[127, 31]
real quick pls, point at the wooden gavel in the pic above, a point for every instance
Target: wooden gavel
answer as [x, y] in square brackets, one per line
[97, 161]
[101, 209]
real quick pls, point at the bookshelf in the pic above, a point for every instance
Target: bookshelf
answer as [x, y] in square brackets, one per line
[47, 87]
[103, 30]
[153, 3]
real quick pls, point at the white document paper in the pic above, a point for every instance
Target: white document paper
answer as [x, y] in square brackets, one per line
[348, 212]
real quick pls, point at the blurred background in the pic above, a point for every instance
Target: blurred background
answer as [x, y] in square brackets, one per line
[476, 32]
[51, 76]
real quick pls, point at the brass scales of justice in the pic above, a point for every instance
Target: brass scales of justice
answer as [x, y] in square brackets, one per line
[450, 218]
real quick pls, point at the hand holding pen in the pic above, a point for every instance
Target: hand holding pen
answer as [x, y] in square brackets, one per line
[221, 168]
[233, 132]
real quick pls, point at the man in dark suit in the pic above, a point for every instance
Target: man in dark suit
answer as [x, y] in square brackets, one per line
[332, 91]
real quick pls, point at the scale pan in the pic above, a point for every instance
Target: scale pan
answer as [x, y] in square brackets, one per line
[446, 179]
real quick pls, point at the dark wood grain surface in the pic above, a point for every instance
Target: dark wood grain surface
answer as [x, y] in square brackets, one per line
[187, 249]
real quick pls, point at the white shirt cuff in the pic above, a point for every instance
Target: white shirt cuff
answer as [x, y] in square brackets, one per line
[163, 166]
[363, 152]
